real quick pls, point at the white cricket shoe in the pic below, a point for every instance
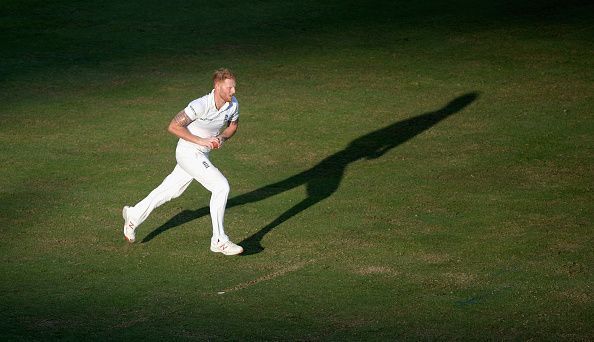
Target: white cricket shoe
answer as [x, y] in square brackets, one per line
[129, 227]
[227, 248]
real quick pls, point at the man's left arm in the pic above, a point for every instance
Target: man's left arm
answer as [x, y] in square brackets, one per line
[228, 132]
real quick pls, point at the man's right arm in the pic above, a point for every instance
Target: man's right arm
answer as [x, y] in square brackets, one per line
[179, 127]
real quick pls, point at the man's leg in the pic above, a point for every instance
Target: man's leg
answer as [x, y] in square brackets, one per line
[199, 166]
[171, 187]
[201, 169]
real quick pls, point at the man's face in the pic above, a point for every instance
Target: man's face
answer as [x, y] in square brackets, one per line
[225, 89]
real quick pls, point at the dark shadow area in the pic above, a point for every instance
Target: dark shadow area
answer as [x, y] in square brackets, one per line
[323, 179]
[55, 36]
[58, 35]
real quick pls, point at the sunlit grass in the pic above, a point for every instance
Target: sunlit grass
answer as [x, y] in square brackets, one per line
[476, 227]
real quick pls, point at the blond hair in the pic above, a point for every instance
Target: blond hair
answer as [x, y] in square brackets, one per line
[220, 75]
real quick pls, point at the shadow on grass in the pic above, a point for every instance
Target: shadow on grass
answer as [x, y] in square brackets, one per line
[323, 179]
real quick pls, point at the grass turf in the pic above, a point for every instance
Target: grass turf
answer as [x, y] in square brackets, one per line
[402, 170]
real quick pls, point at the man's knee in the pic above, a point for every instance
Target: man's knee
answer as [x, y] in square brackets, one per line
[222, 187]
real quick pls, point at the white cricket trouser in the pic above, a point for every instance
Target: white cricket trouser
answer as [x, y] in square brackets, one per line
[191, 164]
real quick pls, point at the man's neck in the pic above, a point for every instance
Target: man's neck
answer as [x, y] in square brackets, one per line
[219, 102]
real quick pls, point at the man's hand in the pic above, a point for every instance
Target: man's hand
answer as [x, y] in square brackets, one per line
[217, 143]
[227, 133]
[220, 141]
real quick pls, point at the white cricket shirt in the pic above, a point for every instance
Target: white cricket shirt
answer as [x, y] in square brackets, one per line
[207, 120]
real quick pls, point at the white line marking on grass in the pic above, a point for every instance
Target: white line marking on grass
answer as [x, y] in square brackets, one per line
[267, 277]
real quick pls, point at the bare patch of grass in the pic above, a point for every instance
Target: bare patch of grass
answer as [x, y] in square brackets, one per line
[460, 278]
[432, 258]
[576, 296]
[375, 270]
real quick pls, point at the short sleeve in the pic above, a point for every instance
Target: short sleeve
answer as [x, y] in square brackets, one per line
[235, 114]
[195, 109]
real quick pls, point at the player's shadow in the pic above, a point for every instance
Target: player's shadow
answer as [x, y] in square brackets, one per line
[323, 179]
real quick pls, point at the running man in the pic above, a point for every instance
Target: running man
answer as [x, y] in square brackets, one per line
[198, 127]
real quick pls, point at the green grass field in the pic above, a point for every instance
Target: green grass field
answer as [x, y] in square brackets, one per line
[403, 170]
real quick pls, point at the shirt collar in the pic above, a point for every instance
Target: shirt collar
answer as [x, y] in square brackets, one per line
[212, 100]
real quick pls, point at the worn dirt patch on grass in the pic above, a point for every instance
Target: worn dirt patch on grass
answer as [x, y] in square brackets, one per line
[375, 270]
